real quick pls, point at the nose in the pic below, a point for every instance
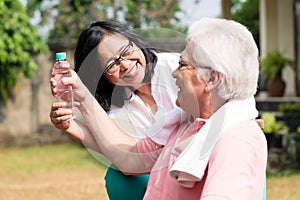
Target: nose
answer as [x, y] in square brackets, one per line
[124, 65]
[175, 73]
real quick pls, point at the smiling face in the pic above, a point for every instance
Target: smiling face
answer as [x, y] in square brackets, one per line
[124, 62]
[193, 95]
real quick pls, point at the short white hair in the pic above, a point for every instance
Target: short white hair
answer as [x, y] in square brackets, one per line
[228, 47]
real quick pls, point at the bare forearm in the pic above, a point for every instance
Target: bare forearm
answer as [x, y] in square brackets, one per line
[115, 144]
[82, 133]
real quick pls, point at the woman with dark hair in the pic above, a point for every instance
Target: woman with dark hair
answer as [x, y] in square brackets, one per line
[134, 85]
[91, 37]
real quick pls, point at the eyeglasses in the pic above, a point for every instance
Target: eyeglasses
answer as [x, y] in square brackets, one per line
[114, 66]
[182, 65]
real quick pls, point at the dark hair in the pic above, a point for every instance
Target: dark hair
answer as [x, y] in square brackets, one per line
[106, 92]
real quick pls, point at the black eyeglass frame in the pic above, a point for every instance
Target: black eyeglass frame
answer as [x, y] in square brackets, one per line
[185, 65]
[117, 60]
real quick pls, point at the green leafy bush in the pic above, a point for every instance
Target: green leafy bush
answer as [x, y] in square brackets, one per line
[289, 107]
[18, 38]
[271, 125]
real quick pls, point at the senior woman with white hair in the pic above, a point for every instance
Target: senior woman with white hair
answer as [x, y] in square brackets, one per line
[218, 151]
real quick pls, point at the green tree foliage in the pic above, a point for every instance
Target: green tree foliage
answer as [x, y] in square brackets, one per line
[18, 37]
[158, 13]
[71, 16]
[247, 13]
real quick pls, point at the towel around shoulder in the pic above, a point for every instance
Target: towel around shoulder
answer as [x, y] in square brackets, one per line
[189, 167]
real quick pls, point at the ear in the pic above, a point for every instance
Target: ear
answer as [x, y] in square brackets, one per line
[214, 80]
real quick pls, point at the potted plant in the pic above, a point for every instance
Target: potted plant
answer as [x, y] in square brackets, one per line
[272, 65]
[273, 129]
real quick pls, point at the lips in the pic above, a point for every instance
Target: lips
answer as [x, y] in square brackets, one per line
[132, 73]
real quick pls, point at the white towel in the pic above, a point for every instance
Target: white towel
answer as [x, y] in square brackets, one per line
[189, 167]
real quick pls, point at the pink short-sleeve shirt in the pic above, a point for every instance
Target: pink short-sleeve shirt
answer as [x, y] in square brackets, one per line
[236, 168]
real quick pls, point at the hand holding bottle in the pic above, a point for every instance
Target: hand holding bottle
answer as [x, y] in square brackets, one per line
[60, 71]
[61, 114]
[65, 81]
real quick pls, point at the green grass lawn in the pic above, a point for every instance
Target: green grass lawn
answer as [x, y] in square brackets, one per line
[43, 158]
[69, 171]
[283, 185]
[61, 172]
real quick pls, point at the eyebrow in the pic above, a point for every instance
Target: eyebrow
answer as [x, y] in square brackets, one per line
[112, 59]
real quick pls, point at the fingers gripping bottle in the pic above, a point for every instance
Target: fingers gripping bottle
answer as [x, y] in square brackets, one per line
[64, 92]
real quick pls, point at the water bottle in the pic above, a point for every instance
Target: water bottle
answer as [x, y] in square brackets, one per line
[64, 93]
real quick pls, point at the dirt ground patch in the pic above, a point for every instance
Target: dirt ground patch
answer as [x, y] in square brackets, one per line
[75, 185]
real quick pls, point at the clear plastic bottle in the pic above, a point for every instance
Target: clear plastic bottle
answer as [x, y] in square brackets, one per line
[64, 93]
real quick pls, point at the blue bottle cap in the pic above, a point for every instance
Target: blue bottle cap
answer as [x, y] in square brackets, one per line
[61, 56]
